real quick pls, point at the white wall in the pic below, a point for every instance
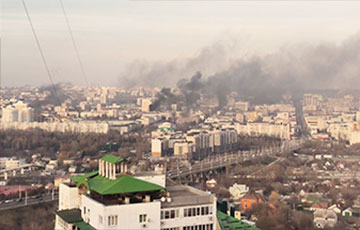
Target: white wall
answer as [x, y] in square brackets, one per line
[190, 221]
[69, 197]
[156, 146]
[128, 214]
[155, 179]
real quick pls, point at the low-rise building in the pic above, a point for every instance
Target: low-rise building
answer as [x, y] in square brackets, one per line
[14, 163]
[249, 199]
[237, 191]
[325, 218]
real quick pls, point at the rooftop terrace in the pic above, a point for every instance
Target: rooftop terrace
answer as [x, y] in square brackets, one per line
[185, 196]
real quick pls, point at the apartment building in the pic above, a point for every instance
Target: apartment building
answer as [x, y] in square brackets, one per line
[282, 131]
[111, 198]
[18, 112]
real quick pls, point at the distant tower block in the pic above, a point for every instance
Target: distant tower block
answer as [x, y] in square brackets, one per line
[145, 105]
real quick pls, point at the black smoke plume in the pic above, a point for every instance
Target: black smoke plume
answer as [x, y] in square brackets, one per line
[261, 79]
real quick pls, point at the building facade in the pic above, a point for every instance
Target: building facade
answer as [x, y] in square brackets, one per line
[111, 198]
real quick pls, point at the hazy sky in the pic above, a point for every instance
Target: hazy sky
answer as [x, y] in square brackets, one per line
[112, 33]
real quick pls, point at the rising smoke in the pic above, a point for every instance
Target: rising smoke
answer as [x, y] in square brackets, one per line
[302, 67]
[208, 61]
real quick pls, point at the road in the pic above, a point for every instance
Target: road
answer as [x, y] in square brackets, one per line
[300, 119]
[32, 200]
[20, 167]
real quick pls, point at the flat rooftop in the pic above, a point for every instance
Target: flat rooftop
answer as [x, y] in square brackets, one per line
[182, 195]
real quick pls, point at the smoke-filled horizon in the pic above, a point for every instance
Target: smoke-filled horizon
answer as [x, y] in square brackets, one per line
[292, 68]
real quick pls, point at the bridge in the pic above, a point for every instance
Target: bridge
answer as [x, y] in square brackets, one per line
[5, 172]
[27, 201]
[212, 164]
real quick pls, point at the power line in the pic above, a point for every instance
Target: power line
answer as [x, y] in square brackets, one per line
[74, 43]
[41, 51]
[0, 62]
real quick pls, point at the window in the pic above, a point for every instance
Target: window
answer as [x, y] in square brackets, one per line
[142, 218]
[112, 220]
[84, 210]
[100, 219]
[170, 214]
[198, 211]
[206, 210]
[199, 227]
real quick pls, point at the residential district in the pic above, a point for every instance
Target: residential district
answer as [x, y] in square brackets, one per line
[171, 159]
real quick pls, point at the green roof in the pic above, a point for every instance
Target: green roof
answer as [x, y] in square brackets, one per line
[83, 226]
[121, 185]
[70, 215]
[230, 223]
[124, 184]
[84, 176]
[112, 159]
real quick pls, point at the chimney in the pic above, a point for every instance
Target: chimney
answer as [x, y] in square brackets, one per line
[147, 198]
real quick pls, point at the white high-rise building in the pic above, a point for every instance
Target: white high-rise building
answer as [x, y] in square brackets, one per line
[9, 115]
[112, 199]
[19, 112]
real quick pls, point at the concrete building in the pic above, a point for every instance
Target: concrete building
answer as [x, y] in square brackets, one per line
[145, 105]
[325, 218]
[312, 102]
[282, 131]
[195, 143]
[345, 132]
[242, 106]
[112, 199]
[159, 147]
[3, 161]
[18, 112]
[316, 124]
[237, 191]
[124, 127]
[14, 163]
[358, 116]
[184, 148]
[73, 127]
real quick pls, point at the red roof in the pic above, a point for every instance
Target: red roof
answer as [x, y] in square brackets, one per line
[323, 205]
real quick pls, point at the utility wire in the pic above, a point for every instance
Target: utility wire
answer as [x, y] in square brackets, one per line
[74, 43]
[0, 64]
[41, 51]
